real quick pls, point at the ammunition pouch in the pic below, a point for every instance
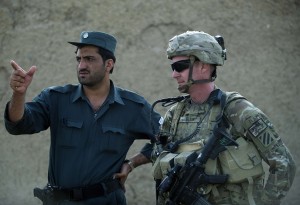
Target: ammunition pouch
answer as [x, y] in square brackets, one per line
[241, 162]
[166, 161]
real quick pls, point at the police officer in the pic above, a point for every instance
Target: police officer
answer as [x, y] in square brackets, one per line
[189, 123]
[93, 124]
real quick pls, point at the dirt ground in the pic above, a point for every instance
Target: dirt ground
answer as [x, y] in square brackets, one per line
[262, 40]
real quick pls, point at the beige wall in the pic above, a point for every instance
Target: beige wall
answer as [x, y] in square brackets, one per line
[262, 39]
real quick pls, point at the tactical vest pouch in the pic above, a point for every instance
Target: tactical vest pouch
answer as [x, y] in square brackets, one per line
[242, 162]
[156, 169]
[210, 168]
[165, 157]
[181, 158]
[193, 146]
[166, 163]
[167, 160]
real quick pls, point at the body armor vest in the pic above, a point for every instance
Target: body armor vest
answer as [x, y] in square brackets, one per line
[240, 163]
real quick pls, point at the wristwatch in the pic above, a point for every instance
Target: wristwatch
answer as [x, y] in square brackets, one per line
[130, 163]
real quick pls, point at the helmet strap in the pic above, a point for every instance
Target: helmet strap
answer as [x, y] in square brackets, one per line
[185, 88]
[191, 81]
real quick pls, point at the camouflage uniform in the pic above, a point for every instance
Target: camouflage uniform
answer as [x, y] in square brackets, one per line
[248, 123]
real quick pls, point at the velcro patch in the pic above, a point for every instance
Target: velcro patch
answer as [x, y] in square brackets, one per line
[266, 138]
[258, 127]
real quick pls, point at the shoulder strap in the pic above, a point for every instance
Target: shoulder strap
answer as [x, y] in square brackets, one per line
[217, 97]
[177, 113]
[232, 96]
[219, 101]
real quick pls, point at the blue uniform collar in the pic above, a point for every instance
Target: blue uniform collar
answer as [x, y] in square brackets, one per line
[113, 96]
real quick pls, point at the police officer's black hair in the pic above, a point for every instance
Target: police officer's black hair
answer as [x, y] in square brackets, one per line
[105, 54]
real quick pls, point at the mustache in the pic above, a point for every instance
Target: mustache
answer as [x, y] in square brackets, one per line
[83, 70]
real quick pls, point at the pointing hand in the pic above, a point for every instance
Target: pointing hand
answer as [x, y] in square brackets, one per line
[20, 79]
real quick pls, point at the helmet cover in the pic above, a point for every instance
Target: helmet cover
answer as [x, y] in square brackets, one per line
[195, 43]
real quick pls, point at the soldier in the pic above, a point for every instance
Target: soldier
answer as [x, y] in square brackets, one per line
[189, 124]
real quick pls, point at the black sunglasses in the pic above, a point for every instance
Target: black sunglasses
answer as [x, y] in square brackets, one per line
[180, 66]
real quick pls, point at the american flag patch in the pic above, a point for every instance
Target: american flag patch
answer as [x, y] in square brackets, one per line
[258, 127]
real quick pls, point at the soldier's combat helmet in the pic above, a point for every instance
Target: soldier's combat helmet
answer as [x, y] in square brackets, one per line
[199, 44]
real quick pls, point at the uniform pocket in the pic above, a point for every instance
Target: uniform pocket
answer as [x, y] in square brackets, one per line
[241, 162]
[71, 133]
[116, 139]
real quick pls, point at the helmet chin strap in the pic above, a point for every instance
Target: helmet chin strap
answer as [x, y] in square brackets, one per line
[185, 88]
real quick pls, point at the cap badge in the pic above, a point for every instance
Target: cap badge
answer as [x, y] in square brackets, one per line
[85, 35]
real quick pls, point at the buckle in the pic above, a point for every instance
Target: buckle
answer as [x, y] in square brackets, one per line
[51, 188]
[76, 194]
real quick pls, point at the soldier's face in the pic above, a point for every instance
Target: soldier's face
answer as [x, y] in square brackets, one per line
[180, 66]
[179, 73]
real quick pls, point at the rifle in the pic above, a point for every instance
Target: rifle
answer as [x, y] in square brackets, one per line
[182, 181]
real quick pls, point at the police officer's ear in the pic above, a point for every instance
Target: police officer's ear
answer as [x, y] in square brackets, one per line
[109, 65]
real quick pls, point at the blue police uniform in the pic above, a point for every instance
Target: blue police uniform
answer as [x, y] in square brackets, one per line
[87, 146]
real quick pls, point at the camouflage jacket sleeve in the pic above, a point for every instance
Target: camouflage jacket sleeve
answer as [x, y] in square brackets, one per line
[250, 122]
